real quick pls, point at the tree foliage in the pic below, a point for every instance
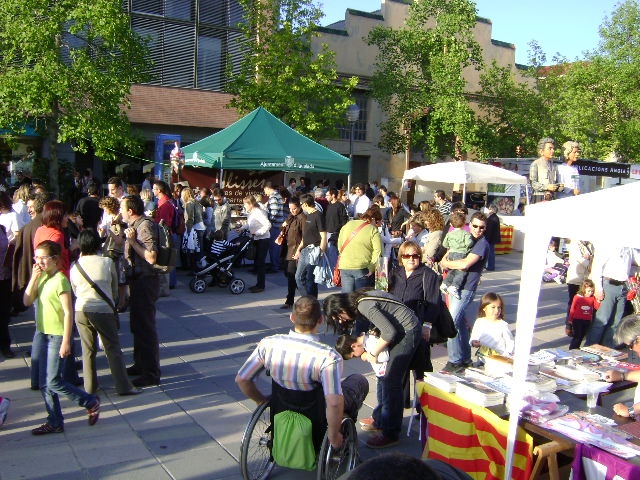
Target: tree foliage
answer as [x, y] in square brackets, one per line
[280, 71]
[418, 78]
[67, 66]
[594, 101]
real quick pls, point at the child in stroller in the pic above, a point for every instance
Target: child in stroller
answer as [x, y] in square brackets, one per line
[219, 262]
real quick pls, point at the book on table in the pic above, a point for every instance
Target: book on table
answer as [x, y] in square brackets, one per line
[479, 393]
[442, 380]
[604, 352]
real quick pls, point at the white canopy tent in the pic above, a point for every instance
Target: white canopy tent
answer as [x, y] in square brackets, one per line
[463, 173]
[608, 222]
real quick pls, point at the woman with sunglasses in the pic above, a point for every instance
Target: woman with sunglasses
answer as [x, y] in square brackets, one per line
[400, 332]
[627, 333]
[458, 348]
[412, 283]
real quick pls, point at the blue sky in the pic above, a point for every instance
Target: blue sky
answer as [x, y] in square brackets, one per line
[565, 26]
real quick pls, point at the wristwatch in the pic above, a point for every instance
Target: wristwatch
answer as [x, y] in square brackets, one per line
[632, 412]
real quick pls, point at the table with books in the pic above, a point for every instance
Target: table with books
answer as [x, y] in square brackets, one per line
[555, 417]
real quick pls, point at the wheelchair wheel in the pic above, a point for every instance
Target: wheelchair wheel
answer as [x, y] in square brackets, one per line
[236, 286]
[332, 464]
[256, 461]
[198, 285]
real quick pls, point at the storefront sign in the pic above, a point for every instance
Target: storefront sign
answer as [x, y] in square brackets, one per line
[592, 168]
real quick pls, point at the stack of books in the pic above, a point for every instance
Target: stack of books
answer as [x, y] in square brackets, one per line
[442, 380]
[478, 393]
[604, 352]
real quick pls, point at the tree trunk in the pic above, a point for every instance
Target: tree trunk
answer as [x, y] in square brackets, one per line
[54, 181]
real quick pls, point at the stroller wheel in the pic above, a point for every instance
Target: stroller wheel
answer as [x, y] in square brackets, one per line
[236, 286]
[198, 285]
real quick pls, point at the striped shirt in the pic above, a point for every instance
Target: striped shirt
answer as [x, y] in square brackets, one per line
[296, 361]
[275, 207]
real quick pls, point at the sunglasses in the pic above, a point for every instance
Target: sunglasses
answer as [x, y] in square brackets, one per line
[479, 227]
[407, 256]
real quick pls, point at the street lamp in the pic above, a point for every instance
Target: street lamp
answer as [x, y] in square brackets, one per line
[353, 115]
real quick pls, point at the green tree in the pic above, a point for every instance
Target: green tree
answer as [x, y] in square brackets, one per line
[596, 101]
[593, 101]
[67, 66]
[280, 71]
[514, 112]
[418, 78]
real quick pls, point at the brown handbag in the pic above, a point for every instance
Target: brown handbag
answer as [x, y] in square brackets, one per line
[336, 279]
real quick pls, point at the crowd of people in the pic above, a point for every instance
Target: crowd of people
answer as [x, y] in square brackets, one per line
[92, 260]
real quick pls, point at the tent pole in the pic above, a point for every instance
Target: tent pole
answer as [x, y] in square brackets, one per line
[221, 182]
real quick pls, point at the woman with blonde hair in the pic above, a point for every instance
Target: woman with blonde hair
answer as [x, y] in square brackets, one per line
[20, 199]
[434, 221]
[194, 227]
[568, 173]
[259, 226]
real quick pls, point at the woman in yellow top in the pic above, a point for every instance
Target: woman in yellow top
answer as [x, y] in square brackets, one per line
[363, 248]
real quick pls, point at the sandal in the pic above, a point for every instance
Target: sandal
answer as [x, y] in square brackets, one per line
[94, 412]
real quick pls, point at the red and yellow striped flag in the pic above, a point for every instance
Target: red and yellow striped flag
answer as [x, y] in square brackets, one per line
[470, 437]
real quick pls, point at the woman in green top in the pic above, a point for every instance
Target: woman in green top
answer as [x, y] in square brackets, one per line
[49, 288]
[358, 258]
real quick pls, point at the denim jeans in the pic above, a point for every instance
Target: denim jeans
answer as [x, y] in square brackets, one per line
[389, 391]
[352, 280]
[274, 249]
[304, 273]
[332, 249]
[69, 372]
[491, 257]
[608, 316]
[458, 348]
[51, 382]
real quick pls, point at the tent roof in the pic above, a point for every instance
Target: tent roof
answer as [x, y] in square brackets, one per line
[260, 141]
[463, 173]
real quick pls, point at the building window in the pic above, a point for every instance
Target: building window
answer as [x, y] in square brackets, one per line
[185, 52]
[210, 72]
[360, 127]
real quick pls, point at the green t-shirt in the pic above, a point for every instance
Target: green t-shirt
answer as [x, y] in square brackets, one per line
[49, 312]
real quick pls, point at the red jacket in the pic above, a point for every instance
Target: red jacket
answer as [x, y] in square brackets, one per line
[583, 308]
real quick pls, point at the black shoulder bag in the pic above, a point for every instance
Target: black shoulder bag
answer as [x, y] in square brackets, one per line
[432, 309]
[99, 292]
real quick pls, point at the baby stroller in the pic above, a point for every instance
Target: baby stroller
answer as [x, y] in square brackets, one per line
[219, 267]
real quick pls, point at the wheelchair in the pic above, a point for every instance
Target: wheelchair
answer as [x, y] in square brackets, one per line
[256, 460]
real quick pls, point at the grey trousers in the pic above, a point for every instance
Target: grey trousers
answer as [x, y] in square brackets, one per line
[90, 324]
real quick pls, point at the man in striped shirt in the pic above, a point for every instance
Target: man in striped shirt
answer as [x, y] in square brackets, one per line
[299, 361]
[275, 213]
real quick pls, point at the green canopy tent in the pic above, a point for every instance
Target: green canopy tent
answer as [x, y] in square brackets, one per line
[260, 141]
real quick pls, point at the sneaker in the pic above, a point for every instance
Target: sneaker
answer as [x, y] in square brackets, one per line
[453, 367]
[4, 409]
[372, 427]
[452, 290]
[45, 428]
[380, 441]
[367, 421]
[94, 411]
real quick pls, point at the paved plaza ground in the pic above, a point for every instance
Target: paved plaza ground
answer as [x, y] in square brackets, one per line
[190, 426]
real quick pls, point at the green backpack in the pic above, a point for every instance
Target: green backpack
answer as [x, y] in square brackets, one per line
[293, 443]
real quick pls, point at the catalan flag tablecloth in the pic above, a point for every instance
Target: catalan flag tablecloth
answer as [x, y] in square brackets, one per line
[471, 437]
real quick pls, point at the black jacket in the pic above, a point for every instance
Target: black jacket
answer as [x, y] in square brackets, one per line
[411, 290]
[492, 234]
